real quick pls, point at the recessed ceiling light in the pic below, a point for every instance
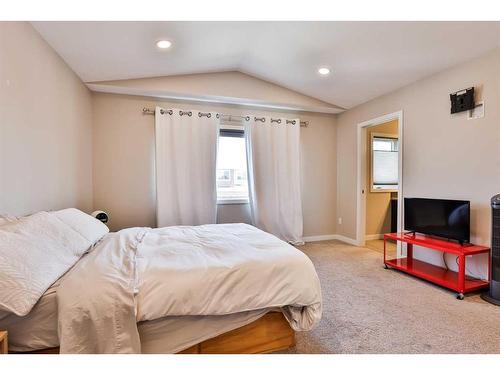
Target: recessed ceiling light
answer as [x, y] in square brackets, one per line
[163, 44]
[324, 71]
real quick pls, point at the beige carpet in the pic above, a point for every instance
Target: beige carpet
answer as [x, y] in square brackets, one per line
[378, 245]
[368, 309]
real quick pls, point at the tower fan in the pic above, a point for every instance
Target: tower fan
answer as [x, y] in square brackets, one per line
[493, 296]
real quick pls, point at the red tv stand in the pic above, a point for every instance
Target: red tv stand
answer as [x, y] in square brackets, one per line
[456, 281]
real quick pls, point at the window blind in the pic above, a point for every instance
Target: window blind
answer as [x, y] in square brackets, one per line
[385, 161]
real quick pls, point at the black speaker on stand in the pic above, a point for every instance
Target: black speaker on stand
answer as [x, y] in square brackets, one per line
[493, 296]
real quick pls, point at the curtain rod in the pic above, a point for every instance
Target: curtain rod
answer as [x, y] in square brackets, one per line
[149, 111]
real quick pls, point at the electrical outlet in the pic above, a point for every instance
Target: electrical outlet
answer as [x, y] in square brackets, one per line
[340, 221]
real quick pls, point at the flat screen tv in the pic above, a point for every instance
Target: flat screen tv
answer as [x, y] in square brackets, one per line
[438, 217]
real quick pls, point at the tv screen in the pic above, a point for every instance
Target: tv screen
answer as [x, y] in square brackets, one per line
[438, 217]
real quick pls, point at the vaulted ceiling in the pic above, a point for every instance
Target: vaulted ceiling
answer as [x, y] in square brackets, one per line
[367, 59]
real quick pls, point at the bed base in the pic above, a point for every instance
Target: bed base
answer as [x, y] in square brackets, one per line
[268, 334]
[265, 335]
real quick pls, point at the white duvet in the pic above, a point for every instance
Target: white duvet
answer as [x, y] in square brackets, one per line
[36, 250]
[142, 274]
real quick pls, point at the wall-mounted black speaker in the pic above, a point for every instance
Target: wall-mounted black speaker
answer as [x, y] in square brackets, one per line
[493, 295]
[462, 100]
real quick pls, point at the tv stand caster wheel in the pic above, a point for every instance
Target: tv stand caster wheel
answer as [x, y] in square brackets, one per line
[386, 267]
[460, 296]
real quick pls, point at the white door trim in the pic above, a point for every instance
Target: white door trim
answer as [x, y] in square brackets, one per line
[361, 180]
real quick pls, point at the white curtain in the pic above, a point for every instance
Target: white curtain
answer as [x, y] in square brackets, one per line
[273, 156]
[186, 149]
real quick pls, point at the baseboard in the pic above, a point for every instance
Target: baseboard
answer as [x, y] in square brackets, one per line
[326, 237]
[370, 237]
[347, 240]
[323, 237]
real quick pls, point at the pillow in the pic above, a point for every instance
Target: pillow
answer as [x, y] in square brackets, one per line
[35, 251]
[6, 219]
[88, 226]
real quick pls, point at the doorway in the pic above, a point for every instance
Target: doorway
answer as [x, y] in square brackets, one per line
[379, 180]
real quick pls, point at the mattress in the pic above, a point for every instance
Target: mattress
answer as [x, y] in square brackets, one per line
[174, 334]
[38, 329]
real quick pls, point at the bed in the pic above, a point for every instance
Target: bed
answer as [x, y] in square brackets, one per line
[258, 331]
[227, 288]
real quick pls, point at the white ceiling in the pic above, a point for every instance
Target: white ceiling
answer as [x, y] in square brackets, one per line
[368, 59]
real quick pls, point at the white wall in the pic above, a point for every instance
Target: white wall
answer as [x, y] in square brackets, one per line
[45, 127]
[231, 213]
[444, 156]
[124, 163]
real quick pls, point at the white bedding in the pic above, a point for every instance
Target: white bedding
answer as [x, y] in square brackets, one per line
[176, 333]
[34, 252]
[222, 269]
[38, 329]
[142, 274]
[216, 277]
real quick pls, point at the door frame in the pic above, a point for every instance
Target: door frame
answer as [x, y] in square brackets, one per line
[361, 186]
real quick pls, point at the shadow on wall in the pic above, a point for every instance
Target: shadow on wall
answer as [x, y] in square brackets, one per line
[233, 213]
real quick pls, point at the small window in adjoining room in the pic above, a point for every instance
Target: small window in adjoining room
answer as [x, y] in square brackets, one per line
[232, 183]
[384, 171]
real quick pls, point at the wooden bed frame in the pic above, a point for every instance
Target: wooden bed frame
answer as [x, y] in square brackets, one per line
[265, 335]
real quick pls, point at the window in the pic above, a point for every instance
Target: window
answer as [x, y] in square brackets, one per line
[232, 183]
[384, 163]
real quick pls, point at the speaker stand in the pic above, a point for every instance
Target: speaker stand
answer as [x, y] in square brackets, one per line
[490, 299]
